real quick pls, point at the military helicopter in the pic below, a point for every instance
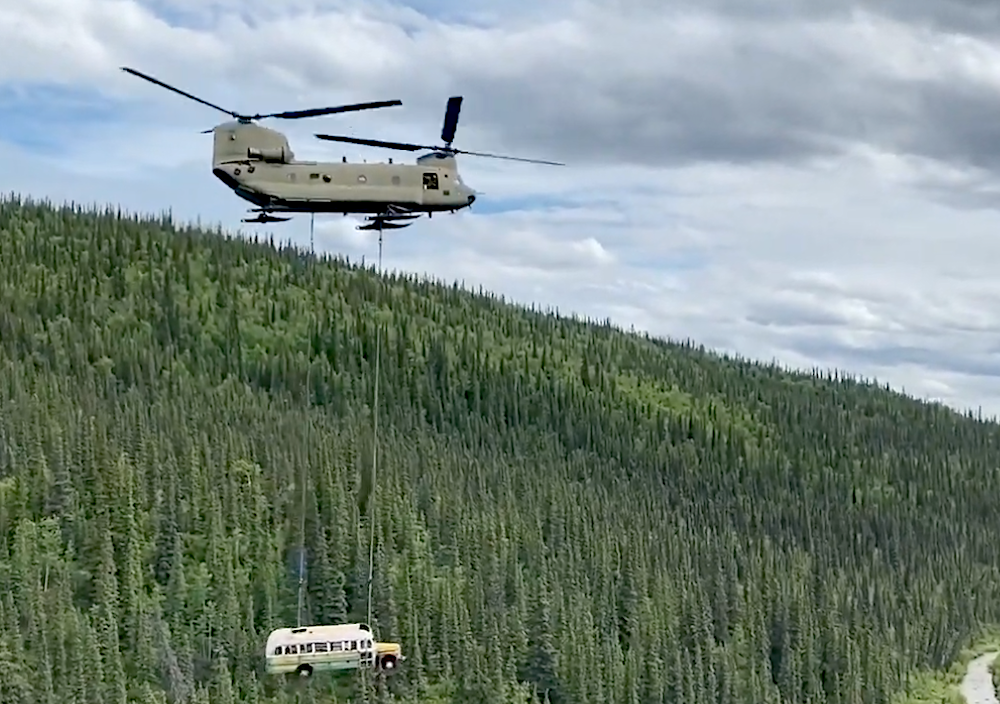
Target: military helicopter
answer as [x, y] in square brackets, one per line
[258, 164]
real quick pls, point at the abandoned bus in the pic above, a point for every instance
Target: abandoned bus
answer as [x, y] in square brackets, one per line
[348, 646]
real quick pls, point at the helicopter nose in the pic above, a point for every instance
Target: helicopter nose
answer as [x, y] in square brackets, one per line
[472, 199]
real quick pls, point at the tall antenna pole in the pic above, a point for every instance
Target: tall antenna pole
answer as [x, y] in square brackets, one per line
[312, 227]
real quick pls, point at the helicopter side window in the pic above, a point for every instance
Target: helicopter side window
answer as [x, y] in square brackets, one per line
[430, 181]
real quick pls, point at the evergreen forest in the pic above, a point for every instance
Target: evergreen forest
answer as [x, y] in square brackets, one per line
[562, 511]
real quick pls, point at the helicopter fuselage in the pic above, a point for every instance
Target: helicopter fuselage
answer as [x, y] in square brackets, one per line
[258, 164]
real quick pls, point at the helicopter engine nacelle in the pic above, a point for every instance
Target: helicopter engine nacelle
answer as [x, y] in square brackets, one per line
[275, 155]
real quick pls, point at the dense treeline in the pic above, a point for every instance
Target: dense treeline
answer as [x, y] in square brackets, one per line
[561, 509]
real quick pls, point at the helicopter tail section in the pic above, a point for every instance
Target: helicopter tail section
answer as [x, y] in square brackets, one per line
[239, 143]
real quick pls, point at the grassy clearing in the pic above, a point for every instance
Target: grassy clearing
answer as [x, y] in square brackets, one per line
[941, 687]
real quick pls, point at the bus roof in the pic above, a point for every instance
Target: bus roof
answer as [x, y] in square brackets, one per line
[318, 632]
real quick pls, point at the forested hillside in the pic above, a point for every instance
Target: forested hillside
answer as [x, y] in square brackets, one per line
[600, 516]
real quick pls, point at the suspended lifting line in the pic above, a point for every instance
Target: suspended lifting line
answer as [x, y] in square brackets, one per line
[371, 498]
[302, 478]
[302, 524]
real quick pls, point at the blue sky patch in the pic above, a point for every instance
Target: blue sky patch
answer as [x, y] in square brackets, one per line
[682, 260]
[486, 205]
[42, 117]
[205, 17]
[494, 204]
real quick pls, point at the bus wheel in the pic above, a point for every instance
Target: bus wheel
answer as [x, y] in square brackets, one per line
[388, 663]
[304, 671]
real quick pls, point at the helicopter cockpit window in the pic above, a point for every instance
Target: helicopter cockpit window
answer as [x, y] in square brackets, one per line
[431, 181]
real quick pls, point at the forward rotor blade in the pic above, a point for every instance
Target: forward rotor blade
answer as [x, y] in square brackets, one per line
[509, 158]
[314, 112]
[402, 146]
[177, 90]
[451, 119]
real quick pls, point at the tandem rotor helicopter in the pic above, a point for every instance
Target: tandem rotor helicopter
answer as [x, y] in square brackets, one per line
[259, 166]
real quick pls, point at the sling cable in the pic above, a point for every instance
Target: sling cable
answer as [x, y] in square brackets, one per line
[304, 649]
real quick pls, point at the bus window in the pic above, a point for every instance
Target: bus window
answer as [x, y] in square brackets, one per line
[307, 648]
[335, 647]
[277, 650]
[320, 647]
[291, 650]
[354, 645]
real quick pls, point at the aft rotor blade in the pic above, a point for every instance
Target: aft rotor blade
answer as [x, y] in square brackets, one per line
[403, 146]
[374, 143]
[451, 119]
[177, 90]
[509, 158]
[314, 112]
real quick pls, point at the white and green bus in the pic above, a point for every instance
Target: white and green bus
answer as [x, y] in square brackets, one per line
[308, 649]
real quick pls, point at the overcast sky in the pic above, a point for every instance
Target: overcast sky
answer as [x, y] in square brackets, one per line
[812, 182]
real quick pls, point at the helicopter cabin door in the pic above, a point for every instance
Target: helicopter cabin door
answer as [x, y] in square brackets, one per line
[432, 187]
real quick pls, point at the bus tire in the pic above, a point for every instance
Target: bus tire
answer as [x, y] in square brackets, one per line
[388, 663]
[304, 671]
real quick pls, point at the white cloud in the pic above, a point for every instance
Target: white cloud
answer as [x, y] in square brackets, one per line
[740, 182]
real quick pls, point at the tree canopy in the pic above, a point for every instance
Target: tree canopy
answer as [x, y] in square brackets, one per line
[563, 511]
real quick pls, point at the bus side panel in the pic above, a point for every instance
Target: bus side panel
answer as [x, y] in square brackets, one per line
[342, 661]
[278, 664]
